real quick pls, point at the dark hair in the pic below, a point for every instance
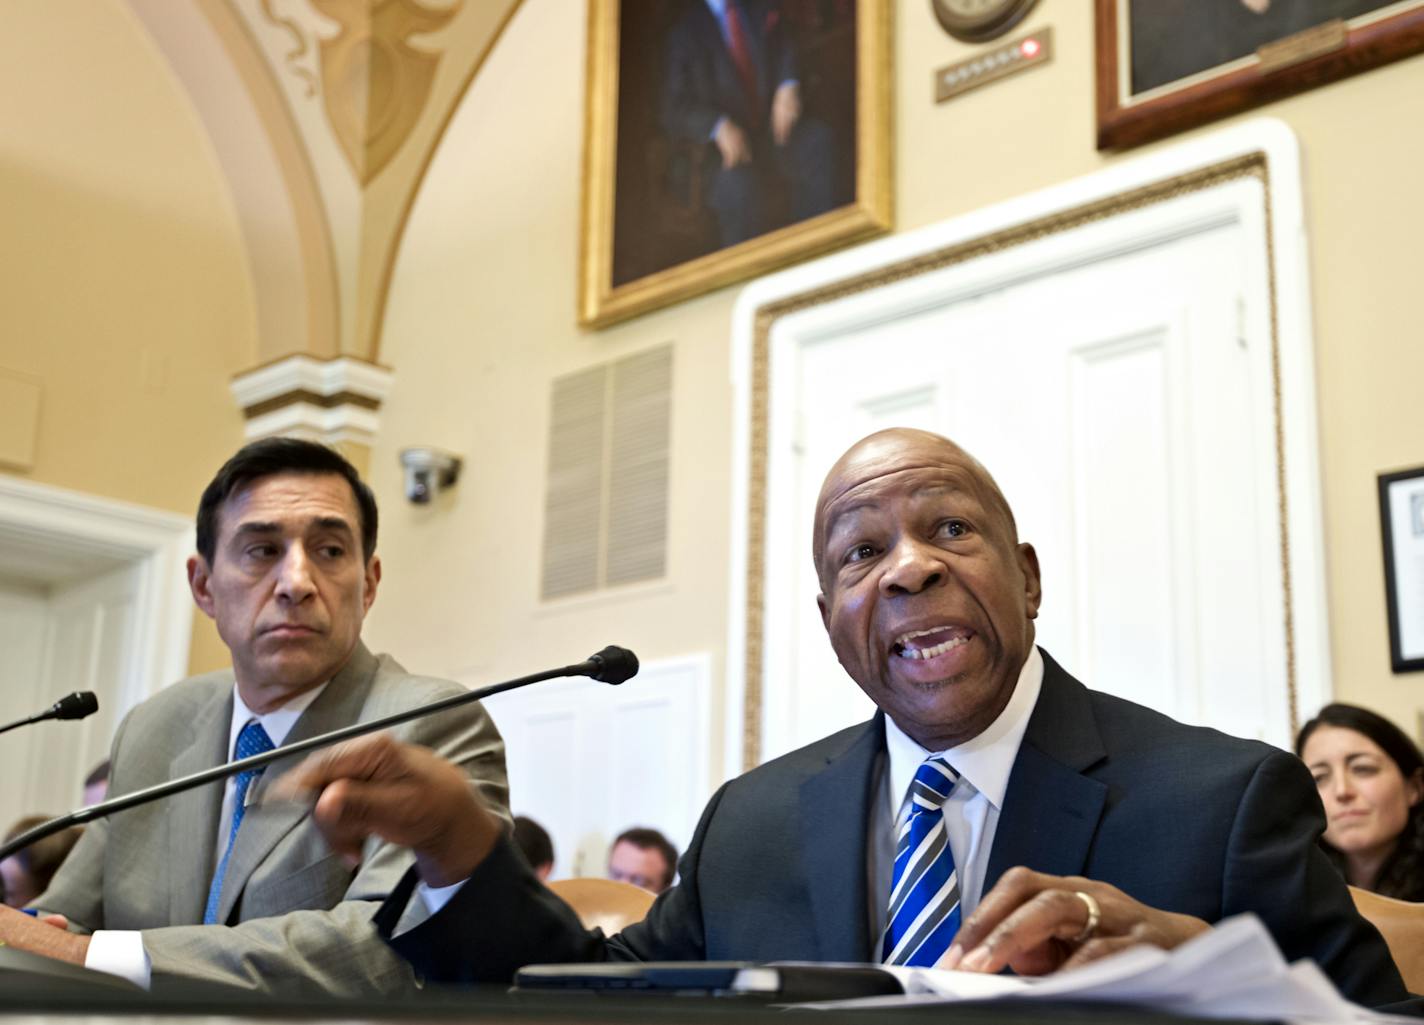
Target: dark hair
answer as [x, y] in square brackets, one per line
[533, 840]
[645, 838]
[98, 774]
[271, 456]
[1402, 875]
[41, 860]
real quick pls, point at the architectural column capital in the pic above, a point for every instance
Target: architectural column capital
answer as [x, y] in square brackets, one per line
[336, 401]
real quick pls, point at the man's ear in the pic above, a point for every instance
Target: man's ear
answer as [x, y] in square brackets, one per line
[825, 611]
[199, 575]
[373, 578]
[1033, 583]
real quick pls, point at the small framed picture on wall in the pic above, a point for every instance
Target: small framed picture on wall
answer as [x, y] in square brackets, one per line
[1401, 497]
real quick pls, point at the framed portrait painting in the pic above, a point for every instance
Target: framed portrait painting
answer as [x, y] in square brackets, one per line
[725, 138]
[1401, 498]
[1164, 66]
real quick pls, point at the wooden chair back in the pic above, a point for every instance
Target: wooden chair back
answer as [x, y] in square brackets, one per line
[604, 903]
[1401, 923]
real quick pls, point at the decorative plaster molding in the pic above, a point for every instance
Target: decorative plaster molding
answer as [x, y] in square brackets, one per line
[374, 83]
[336, 400]
[293, 57]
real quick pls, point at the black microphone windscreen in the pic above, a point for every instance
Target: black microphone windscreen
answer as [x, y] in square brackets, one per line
[615, 665]
[76, 706]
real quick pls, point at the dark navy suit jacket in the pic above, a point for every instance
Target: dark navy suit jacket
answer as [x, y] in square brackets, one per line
[1182, 818]
[700, 82]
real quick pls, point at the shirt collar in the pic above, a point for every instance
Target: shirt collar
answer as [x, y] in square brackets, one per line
[986, 760]
[277, 723]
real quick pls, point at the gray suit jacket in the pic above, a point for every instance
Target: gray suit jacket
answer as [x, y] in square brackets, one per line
[297, 920]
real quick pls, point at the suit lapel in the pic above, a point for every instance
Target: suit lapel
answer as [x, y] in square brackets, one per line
[835, 808]
[1051, 810]
[192, 816]
[264, 826]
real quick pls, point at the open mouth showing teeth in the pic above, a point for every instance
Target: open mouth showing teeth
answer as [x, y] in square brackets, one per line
[931, 643]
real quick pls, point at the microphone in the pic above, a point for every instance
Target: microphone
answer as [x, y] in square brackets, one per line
[83, 703]
[615, 665]
[612, 665]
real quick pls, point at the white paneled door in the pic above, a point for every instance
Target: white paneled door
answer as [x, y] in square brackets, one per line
[59, 639]
[1123, 396]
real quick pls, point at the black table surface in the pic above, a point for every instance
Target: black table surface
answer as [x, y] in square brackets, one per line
[50, 999]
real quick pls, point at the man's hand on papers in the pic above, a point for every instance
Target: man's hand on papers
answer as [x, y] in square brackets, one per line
[1035, 924]
[22, 932]
[405, 795]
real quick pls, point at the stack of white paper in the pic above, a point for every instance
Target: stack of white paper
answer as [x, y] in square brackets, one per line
[1231, 971]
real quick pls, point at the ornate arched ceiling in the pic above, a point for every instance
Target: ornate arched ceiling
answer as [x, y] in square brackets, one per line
[324, 115]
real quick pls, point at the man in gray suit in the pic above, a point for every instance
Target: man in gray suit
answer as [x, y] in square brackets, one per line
[215, 884]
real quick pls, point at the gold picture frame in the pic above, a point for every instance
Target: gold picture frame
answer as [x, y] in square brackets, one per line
[639, 256]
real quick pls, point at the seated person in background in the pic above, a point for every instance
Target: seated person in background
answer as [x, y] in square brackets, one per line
[96, 784]
[1371, 780]
[212, 884]
[994, 813]
[533, 842]
[25, 874]
[643, 857]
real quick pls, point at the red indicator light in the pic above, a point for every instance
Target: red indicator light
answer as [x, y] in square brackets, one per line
[1030, 47]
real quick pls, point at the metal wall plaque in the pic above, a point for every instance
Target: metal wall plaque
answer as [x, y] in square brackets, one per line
[993, 64]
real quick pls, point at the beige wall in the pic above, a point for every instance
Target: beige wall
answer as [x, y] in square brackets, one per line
[480, 316]
[123, 285]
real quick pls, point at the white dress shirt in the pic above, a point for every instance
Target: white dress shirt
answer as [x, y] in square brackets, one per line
[971, 815]
[120, 951]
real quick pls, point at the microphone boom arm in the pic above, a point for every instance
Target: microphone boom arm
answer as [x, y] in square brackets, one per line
[597, 667]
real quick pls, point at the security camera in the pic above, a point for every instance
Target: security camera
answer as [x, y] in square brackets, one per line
[427, 470]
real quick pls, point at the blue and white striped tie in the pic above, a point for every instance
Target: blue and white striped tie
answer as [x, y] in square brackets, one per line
[253, 740]
[924, 894]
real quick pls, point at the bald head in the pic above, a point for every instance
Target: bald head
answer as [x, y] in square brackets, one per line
[927, 595]
[892, 451]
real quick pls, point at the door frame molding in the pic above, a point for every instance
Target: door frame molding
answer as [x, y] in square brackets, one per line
[156, 543]
[773, 314]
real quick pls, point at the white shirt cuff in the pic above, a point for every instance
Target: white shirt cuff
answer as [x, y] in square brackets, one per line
[121, 953]
[436, 897]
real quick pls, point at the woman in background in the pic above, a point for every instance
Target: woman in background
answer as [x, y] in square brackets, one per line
[1371, 780]
[24, 876]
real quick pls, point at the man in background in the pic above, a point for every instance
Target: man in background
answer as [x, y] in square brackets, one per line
[212, 884]
[96, 784]
[643, 857]
[534, 843]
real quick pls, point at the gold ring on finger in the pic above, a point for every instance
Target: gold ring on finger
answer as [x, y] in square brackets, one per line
[1095, 916]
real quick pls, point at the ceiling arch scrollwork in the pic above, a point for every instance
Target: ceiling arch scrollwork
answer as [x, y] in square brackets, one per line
[375, 80]
[325, 115]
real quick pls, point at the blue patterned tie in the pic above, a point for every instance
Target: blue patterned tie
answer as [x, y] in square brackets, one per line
[253, 740]
[924, 894]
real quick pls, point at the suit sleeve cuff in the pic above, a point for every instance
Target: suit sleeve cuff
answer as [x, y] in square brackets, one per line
[500, 919]
[120, 953]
